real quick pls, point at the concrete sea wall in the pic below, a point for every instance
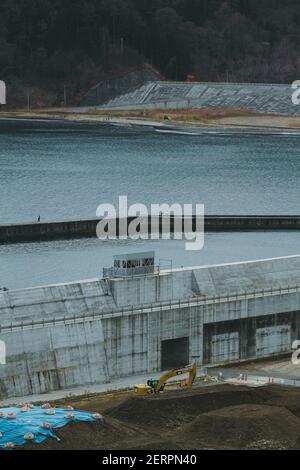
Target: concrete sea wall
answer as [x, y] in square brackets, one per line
[90, 332]
[36, 231]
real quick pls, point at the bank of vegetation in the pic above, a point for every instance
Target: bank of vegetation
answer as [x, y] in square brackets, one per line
[49, 43]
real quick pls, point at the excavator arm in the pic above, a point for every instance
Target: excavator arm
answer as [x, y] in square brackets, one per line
[191, 370]
[159, 385]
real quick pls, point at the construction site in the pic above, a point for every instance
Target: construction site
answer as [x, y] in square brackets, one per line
[171, 357]
[112, 340]
[139, 319]
[263, 417]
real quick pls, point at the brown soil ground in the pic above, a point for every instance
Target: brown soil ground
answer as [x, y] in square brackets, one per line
[215, 417]
[224, 118]
[189, 116]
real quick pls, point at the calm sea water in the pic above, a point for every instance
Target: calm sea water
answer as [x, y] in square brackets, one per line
[30, 264]
[62, 171]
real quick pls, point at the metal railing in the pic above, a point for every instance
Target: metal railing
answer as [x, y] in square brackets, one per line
[127, 272]
[150, 308]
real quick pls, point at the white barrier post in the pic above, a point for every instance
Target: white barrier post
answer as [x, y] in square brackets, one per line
[2, 92]
[2, 353]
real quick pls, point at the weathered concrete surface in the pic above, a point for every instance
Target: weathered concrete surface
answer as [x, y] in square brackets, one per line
[261, 98]
[36, 231]
[85, 333]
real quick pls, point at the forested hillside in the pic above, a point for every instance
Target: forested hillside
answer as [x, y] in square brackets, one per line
[51, 41]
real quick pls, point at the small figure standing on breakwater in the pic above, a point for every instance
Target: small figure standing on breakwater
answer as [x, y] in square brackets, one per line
[39, 218]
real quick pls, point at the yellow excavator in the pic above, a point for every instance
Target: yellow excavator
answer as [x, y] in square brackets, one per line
[156, 386]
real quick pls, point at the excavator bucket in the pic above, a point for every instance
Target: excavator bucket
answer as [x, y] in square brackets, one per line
[142, 389]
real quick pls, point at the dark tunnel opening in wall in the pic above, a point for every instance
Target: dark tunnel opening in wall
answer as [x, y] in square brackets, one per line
[174, 353]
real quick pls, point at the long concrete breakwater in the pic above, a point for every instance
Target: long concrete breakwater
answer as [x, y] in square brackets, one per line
[71, 229]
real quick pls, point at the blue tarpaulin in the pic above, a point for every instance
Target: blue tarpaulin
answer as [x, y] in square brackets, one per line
[31, 421]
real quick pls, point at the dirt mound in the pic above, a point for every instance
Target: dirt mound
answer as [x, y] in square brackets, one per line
[266, 445]
[216, 417]
[244, 425]
[110, 435]
[175, 408]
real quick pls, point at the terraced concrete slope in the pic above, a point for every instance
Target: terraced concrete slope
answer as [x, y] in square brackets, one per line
[261, 98]
[247, 276]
